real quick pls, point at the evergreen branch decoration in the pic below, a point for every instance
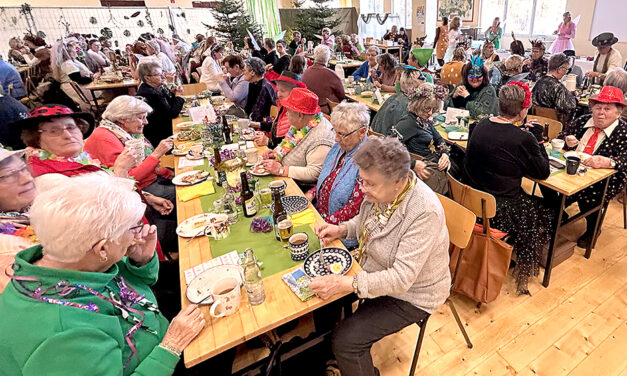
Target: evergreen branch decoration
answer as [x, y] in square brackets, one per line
[310, 22]
[231, 22]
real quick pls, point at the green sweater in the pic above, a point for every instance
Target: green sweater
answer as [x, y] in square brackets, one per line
[38, 338]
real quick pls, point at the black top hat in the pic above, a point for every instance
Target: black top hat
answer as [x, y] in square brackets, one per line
[604, 40]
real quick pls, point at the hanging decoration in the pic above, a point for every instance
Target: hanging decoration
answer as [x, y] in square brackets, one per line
[366, 17]
[65, 23]
[26, 11]
[93, 20]
[41, 34]
[382, 21]
[106, 32]
[135, 14]
[126, 33]
[149, 19]
[112, 20]
[160, 31]
[140, 23]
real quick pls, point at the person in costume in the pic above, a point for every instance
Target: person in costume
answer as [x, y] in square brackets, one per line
[607, 57]
[537, 65]
[494, 33]
[475, 93]
[565, 34]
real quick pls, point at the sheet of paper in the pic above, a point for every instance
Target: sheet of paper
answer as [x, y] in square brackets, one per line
[184, 162]
[453, 113]
[197, 114]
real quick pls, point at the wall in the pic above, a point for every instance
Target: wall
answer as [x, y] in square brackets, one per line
[91, 3]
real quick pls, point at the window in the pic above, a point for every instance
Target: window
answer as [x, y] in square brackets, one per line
[524, 17]
[403, 9]
[370, 6]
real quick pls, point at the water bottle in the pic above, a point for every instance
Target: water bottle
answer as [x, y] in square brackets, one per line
[252, 279]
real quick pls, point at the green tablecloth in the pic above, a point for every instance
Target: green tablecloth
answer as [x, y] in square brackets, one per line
[267, 249]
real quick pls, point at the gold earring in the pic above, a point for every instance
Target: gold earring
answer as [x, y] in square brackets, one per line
[103, 258]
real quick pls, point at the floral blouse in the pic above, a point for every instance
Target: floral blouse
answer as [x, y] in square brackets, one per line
[350, 210]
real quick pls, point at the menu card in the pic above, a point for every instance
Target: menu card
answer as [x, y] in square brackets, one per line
[231, 258]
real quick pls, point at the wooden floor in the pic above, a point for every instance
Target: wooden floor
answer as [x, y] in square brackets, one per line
[577, 326]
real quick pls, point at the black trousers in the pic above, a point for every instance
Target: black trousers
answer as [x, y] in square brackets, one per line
[374, 319]
[166, 224]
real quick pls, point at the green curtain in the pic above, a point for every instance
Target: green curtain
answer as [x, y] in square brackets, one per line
[266, 14]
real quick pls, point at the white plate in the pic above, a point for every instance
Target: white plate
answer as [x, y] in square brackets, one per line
[187, 229]
[579, 154]
[194, 158]
[185, 125]
[199, 289]
[458, 136]
[252, 172]
[187, 145]
[178, 179]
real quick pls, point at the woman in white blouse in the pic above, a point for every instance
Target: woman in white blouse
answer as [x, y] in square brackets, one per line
[211, 71]
[154, 48]
[98, 59]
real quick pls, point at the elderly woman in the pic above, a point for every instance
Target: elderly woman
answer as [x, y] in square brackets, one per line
[603, 135]
[550, 92]
[607, 57]
[512, 70]
[386, 79]
[488, 55]
[498, 156]
[537, 65]
[67, 67]
[298, 64]
[19, 52]
[395, 107]
[565, 33]
[618, 78]
[95, 265]
[261, 95]
[211, 72]
[17, 191]
[97, 58]
[234, 88]
[420, 136]
[338, 194]
[451, 72]
[324, 82]
[475, 93]
[301, 153]
[154, 49]
[516, 47]
[276, 129]
[419, 59]
[403, 253]
[371, 63]
[166, 104]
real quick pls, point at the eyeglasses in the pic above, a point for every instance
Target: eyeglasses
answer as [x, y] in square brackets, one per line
[136, 230]
[58, 131]
[12, 175]
[344, 136]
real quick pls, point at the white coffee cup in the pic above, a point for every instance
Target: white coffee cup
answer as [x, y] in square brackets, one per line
[137, 147]
[557, 144]
[227, 295]
[243, 123]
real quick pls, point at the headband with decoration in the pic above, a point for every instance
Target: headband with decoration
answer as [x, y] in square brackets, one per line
[527, 101]
[427, 91]
[476, 70]
[537, 43]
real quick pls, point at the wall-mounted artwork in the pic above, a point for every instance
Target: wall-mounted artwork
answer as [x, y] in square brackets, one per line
[461, 8]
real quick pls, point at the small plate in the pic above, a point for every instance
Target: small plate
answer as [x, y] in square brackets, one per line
[199, 289]
[185, 125]
[331, 255]
[578, 154]
[199, 176]
[458, 136]
[293, 204]
[194, 157]
[257, 172]
[183, 148]
[191, 227]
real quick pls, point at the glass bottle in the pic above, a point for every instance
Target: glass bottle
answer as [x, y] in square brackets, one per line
[219, 166]
[253, 282]
[249, 207]
[228, 139]
[279, 212]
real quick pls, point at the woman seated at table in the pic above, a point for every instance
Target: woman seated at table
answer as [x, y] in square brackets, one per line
[512, 71]
[498, 156]
[516, 47]
[235, 88]
[420, 136]
[19, 52]
[348, 49]
[98, 250]
[324, 82]
[298, 64]
[606, 59]
[67, 67]
[574, 68]
[283, 62]
[603, 135]
[386, 79]
[550, 92]
[475, 93]
[537, 65]
[395, 107]
[618, 78]
[371, 63]
[261, 95]
[301, 153]
[488, 55]
[451, 72]
[17, 191]
[166, 104]
[154, 49]
[419, 58]
[338, 194]
[403, 253]
[276, 129]
[210, 71]
[98, 60]
[41, 52]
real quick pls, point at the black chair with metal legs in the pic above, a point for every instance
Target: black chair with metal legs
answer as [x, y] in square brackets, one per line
[460, 223]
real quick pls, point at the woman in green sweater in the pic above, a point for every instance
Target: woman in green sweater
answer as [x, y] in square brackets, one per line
[80, 303]
[475, 93]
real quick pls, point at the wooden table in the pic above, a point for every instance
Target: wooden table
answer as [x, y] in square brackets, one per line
[281, 304]
[458, 142]
[567, 185]
[100, 86]
[348, 64]
[367, 102]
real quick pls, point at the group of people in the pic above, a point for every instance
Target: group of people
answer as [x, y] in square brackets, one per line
[85, 222]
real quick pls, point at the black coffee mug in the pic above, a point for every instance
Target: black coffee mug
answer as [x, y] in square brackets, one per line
[572, 165]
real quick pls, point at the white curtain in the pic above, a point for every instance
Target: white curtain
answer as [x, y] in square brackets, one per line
[373, 28]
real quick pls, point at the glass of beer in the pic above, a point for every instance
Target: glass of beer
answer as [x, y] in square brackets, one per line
[266, 197]
[286, 229]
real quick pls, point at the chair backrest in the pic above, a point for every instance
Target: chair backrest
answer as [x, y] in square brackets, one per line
[459, 221]
[79, 92]
[555, 127]
[274, 111]
[481, 203]
[546, 112]
[193, 89]
[373, 133]
[196, 77]
[331, 104]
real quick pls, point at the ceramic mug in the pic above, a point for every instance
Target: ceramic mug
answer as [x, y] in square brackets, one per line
[227, 295]
[278, 186]
[557, 144]
[299, 246]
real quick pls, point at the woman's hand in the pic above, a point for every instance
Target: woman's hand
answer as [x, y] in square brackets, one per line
[178, 90]
[592, 74]
[310, 194]
[464, 92]
[571, 141]
[124, 162]
[145, 244]
[272, 166]
[327, 232]
[160, 204]
[527, 62]
[421, 170]
[164, 146]
[329, 285]
[377, 84]
[598, 161]
[184, 327]
[444, 162]
[261, 140]
[269, 154]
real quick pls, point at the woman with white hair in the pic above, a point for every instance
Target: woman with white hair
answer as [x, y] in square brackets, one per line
[618, 78]
[338, 195]
[371, 63]
[154, 48]
[82, 299]
[323, 81]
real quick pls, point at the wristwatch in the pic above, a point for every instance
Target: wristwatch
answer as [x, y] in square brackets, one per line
[281, 170]
[355, 284]
[612, 163]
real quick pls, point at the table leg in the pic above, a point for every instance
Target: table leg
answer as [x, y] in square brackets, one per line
[93, 95]
[600, 218]
[549, 257]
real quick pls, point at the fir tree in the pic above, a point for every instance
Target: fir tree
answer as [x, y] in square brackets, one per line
[231, 22]
[310, 22]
